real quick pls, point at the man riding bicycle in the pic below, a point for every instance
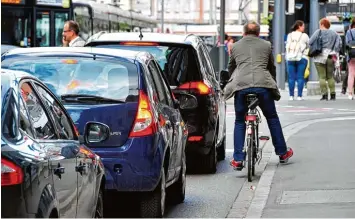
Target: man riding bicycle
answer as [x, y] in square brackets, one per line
[253, 72]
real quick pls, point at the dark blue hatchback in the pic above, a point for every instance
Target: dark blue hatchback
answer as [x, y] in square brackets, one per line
[127, 91]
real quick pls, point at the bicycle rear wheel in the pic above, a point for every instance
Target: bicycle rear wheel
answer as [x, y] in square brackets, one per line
[255, 145]
[250, 152]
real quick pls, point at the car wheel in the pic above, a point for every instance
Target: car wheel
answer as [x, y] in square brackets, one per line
[221, 150]
[153, 204]
[99, 213]
[210, 161]
[176, 194]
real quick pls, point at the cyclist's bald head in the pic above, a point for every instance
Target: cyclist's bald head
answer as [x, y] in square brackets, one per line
[252, 28]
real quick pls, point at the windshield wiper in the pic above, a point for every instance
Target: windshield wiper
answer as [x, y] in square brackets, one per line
[88, 98]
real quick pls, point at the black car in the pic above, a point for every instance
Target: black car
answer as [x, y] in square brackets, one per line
[46, 171]
[186, 64]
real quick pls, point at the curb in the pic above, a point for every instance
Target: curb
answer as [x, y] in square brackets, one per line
[250, 203]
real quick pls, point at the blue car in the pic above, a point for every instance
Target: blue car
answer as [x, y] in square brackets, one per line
[127, 91]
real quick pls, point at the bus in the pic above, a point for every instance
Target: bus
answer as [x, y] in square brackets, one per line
[34, 23]
[94, 17]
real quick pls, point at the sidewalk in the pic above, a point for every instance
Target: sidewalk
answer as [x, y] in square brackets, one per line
[319, 181]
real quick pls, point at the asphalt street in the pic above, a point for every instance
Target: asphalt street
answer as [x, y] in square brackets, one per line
[228, 194]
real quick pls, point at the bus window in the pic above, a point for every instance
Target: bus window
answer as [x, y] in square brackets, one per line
[83, 17]
[60, 18]
[15, 26]
[42, 28]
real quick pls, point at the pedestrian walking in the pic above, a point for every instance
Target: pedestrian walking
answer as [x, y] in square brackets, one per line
[71, 36]
[325, 45]
[297, 58]
[350, 42]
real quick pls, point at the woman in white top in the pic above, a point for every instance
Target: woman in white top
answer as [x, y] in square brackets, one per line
[296, 56]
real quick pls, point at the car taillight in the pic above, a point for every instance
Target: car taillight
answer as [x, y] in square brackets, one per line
[11, 174]
[199, 86]
[144, 123]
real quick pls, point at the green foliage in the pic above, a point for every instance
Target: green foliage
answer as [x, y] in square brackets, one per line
[266, 20]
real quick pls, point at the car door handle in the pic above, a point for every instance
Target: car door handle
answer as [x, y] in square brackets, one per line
[81, 168]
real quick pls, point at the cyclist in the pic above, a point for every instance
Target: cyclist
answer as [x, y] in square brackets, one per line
[253, 72]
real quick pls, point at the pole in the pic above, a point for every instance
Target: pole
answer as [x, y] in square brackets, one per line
[260, 11]
[240, 12]
[162, 16]
[211, 11]
[282, 32]
[221, 36]
[313, 26]
[278, 39]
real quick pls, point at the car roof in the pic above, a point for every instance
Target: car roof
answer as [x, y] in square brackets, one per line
[5, 48]
[147, 37]
[119, 53]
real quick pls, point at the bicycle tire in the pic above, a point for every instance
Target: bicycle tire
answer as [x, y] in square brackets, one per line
[250, 156]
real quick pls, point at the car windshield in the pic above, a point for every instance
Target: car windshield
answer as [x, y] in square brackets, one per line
[82, 76]
[160, 53]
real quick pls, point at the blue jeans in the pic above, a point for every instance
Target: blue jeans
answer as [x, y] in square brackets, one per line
[296, 71]
[267, 105]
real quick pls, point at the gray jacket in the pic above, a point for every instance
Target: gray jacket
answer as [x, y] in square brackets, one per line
[251, 65]
[77, 42]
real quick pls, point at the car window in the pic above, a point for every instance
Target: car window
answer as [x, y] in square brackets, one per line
[204, 63]
[25, 123]
[164, 84]
[178, 63]
[108, 78]
[62, 123]
[42, 125]
[208, 60]
[158, 83]
[9, 126]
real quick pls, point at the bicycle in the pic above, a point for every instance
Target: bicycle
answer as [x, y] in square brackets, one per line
[253, 119]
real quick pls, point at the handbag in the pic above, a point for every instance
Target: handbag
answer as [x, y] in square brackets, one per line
[351, 46]
[316, 47]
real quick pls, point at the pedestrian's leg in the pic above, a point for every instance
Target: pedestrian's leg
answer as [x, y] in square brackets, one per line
[291, 77]
[330, 77]
[267, 105]
[301, 67]
[351, 67]
[321, 69]
[345, 82]
[239, 127]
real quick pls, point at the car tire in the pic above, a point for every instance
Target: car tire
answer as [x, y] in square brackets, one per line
[176, 193]
[99, 212]
[210, 161]
[153, 203]
[221, 150]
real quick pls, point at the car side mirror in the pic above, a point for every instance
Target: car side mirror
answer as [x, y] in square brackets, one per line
[224, 78]
[96, 132]
[187, 101]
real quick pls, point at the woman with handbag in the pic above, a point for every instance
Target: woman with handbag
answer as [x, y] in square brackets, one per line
[324, 44]
[296, 56]
[350, 42]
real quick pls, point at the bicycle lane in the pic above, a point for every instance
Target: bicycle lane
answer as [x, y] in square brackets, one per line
[316, 183]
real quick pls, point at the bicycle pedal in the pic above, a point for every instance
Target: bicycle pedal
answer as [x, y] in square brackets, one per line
[264, 138]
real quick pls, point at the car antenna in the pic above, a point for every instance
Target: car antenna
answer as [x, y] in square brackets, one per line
[140, 34]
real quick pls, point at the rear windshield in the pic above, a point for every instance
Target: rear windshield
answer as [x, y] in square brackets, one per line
[79, 75]
[178, 63]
